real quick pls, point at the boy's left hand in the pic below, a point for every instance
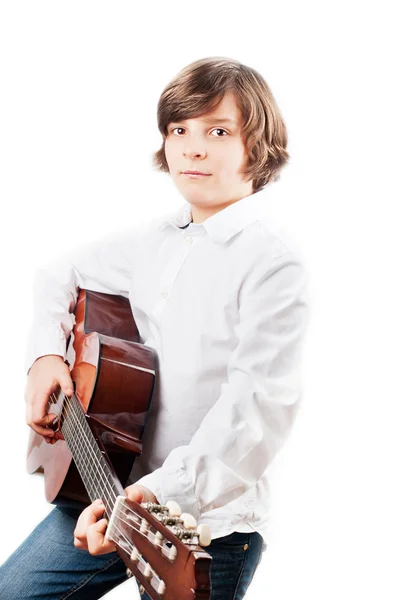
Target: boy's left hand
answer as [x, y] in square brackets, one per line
[90, 529]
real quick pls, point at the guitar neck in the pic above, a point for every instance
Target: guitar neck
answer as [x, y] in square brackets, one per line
[96, 472]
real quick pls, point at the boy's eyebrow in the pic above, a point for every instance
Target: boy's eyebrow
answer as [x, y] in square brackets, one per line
[220, 120]
[212, 120]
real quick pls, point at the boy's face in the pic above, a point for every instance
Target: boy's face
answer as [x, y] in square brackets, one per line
[213, 146]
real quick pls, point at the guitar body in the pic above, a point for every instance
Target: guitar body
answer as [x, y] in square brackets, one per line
[102, 424]
[114, 377]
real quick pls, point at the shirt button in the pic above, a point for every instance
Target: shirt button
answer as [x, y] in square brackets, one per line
[189, 240]
[164, 294]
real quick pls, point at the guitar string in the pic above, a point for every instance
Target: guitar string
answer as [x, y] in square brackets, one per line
[129, 544]
[88, 457]
[95, 466]
[82, 459]
[80, 413]
[96, 470]
[127, 508]
[66, 399]
[81, 424]
[136, 514]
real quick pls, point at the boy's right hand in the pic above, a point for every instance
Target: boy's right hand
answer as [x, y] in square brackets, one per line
[46, 375]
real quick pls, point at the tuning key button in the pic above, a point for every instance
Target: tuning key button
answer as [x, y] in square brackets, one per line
[144, 526]
[135, 555]
[188, 521]
[174, 508]
[204, 535]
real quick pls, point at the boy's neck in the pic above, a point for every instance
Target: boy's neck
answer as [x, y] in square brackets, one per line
[200, 214]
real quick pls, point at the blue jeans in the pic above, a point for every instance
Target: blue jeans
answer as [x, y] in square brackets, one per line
[47, 566]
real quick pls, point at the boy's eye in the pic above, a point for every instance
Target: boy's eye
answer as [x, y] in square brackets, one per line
[217, 129]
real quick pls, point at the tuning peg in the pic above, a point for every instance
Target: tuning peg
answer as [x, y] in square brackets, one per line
[188, 521]
[174, 508]
[204, 534]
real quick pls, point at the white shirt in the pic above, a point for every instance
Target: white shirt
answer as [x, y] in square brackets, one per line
[224, 304]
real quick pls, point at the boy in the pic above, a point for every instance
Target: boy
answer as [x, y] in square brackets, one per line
[221, 296]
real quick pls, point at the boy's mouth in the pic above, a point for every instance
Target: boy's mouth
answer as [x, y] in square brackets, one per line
[196, 173]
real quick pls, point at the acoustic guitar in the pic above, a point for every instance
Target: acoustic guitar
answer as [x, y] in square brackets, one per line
[102, 425]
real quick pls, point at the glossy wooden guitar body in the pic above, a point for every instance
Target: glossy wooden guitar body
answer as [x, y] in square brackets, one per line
[114, 377]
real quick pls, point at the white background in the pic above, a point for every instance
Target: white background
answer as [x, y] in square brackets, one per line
[80, 85]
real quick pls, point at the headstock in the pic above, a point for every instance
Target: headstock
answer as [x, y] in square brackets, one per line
[162, 549]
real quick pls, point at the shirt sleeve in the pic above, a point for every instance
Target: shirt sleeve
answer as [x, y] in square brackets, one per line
[254, 414]
[102, 266]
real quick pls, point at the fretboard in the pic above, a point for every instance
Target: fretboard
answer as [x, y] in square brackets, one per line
[90, 461]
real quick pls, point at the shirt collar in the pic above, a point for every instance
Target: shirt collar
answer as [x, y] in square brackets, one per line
[227, 222]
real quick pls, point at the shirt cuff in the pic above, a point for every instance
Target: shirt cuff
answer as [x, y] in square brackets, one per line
[167, 485]
[45, 341]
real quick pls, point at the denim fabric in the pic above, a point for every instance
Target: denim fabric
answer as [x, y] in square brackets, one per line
[47, 566]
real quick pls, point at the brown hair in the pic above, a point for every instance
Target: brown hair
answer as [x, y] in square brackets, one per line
[200, 87]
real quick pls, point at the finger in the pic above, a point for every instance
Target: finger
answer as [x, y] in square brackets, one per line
[43, 425]
[57, 436]
[47, 420]
[81, 545]
[66, 386]
[135, 493]
[89, 516]
[46, 432]
[37, 409]
[65, 382]
[139, 493]
[96, 540]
